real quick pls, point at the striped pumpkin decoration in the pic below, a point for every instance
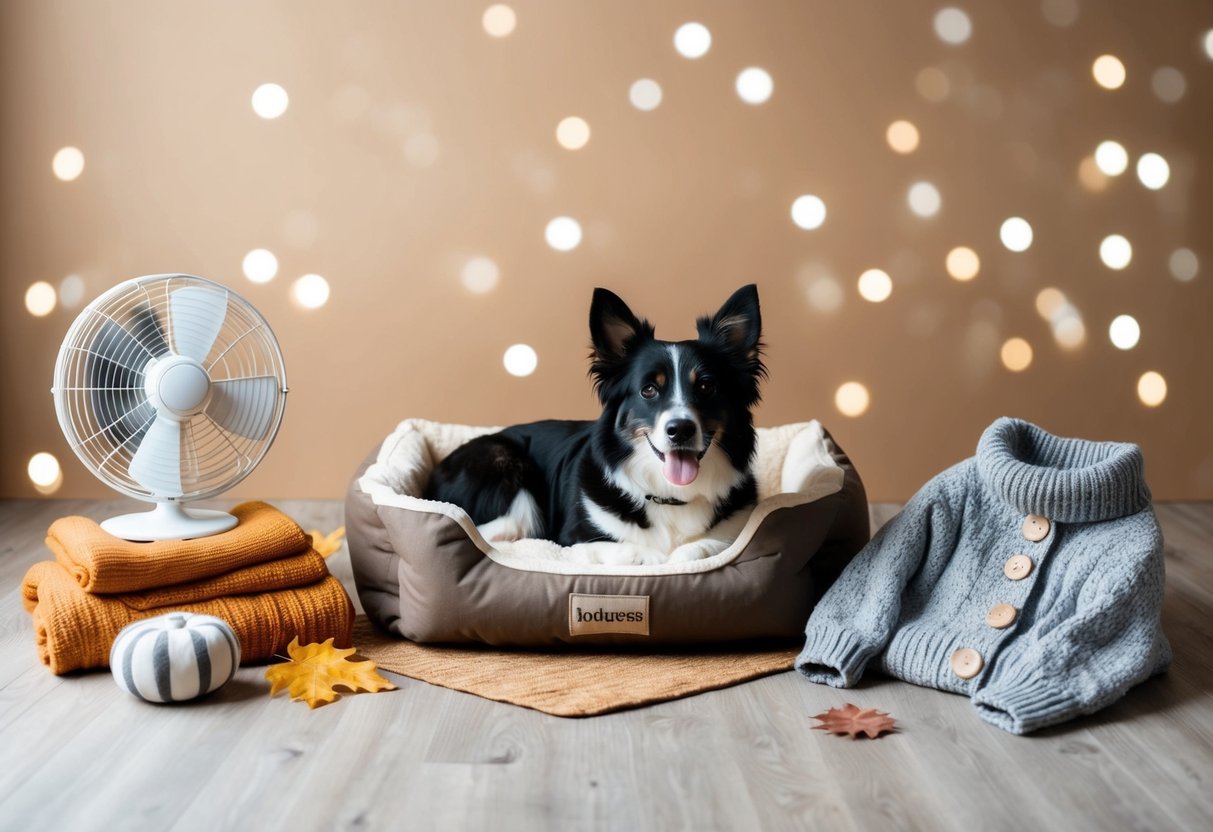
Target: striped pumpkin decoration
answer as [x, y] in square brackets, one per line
[174, 657]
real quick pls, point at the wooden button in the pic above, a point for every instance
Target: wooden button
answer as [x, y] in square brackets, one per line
[967, 662]
[1017, 567]
[1035, 527]
[1001, 616]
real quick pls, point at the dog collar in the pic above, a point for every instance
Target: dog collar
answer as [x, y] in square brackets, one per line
[665, 501]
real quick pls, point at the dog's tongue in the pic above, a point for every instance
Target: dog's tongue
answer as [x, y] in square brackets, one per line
[681, 467]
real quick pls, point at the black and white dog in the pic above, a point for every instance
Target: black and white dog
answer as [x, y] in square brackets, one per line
[668, 459]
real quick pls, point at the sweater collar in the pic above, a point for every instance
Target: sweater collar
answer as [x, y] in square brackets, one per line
[1068, 480]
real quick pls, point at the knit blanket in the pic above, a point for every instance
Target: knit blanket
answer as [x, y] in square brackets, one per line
[263, 577]
[100, 562]
[74, 630]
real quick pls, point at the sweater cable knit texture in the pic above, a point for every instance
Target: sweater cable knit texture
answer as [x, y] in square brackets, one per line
[1039, 559]
[263, 577]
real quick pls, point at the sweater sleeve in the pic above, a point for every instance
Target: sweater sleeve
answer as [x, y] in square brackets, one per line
[855, 619]
[1112, 641]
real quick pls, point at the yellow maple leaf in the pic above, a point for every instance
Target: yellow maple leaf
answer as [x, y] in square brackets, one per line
[315, 669]
[326, 544]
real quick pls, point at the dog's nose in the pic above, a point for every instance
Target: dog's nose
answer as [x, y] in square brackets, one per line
[679, 430]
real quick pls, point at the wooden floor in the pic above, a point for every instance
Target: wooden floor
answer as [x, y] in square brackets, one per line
[78, 753]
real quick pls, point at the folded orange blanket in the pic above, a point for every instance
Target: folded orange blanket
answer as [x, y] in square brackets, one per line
[75, 629]
[100, 562]
[287, 573]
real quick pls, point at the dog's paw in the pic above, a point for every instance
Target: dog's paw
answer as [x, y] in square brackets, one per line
[698, 550]
[651, 557]
[619, 554]
[502, 530]
[685, 554]
[605, 552]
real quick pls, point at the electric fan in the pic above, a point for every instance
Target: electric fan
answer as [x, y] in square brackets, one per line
[170, 388]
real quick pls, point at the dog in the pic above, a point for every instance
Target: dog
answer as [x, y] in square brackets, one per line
[668, 460]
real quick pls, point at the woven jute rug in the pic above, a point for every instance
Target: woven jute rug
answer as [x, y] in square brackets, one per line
[582, 683]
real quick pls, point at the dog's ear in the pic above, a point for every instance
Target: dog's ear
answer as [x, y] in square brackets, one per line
[614, 330]
[737, 326]
[613, 327]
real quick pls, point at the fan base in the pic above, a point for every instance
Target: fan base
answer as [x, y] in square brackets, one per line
[169, 521]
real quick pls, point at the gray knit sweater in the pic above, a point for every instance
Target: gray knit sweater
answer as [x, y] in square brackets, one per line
[1029, 578]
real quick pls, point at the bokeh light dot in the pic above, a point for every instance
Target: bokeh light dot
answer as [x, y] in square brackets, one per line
[808, 211]
[754, 85]
[68, 163]
[520, 360]
[563, 233]
[1153, 171]
[1152, 388]
[422, 150]
[692, 40]
[953, 26]
[499, 20]
[875, 286]
[300, 228]
[902, 136]
[852, 399]
[71, 291]
[1069, 331]
[1108, 72]
[933, 84]
[1016, 234]
[44, 472]
[924, 199]
[1208, 41]
[573, 133]
[479, 275]
[1090, 176]
[1124, 332]
[1016, 354]
[645, 94]
[40, 299]
[825, 294]
[963, 264]
[310, 291]
[270, 101]
[1112, 157]
[1049, 301]
[1184, 264]
[1115, 251]
[260, 265]
[1061, 13]
[1168, 84]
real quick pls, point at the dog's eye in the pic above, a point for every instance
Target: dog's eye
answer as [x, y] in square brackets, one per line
[649, 391]
[706, 388]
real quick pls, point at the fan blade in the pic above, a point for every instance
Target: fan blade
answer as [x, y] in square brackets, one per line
[156, 464]
[244, 405]
[144, 327]
[114, 370]
[196, 316]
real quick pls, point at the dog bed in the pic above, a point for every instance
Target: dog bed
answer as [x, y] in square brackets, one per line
[424, 572]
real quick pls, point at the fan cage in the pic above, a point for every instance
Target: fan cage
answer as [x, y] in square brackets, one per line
[105, 413]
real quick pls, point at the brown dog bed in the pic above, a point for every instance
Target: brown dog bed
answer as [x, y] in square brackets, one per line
[424, 572]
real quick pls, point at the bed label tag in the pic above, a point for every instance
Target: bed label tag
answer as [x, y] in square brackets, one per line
[590, 614]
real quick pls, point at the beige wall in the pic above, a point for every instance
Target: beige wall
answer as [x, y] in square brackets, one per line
[679, 206]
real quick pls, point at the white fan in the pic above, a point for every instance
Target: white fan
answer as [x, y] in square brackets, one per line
[170, 388]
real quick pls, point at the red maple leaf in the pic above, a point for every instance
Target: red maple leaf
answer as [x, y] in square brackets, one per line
[850, 721]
